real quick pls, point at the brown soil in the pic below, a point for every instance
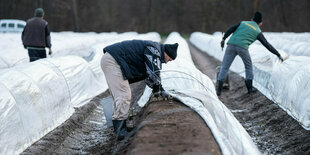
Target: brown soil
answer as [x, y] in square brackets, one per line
[80, 134]
[271, 128]
[170, 127]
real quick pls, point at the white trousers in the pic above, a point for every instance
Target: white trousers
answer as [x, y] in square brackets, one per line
[119, 88]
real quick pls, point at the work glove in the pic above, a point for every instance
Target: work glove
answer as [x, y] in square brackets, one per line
[50, 51]
[280, 57]
[165, 95]
[162, 94]
[158, 91]
[222, 44]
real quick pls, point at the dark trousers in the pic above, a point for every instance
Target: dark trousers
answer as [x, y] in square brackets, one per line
[35, 54]
[231, 52]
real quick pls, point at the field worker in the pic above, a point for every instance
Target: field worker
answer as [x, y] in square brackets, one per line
[244, 34]
[36, 36]
[132, 61]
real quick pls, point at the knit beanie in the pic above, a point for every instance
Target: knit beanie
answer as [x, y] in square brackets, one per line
[38, 12]
[171, 50]
[258, 18]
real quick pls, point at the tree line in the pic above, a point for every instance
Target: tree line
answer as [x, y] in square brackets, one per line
[163, 16]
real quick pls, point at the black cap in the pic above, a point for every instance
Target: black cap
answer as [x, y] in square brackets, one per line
[171, 50]
[258, 18]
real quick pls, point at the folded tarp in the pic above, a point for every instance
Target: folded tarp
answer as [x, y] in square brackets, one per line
[286, 83]
[185, 82]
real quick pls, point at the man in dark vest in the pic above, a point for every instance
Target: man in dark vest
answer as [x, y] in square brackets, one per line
[36, 36]
[132, 61]
[244, 34]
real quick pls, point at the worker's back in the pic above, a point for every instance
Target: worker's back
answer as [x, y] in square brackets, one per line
[34, 33]
[245, 34]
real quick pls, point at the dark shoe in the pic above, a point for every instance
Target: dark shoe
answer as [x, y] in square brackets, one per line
[219, 87]
[226, 85]
[119, 128]
[249, 85]
[121, 134]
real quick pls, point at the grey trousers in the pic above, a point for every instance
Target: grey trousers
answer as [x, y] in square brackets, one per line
[119, 88]
[231, 52]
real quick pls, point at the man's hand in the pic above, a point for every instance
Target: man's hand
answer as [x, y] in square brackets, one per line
[280, 57]
[222, 44]
[50, 51]
[165, 95]
[156, 94]
[161, 94]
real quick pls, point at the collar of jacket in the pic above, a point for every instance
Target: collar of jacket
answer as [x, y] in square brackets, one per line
[162, 49]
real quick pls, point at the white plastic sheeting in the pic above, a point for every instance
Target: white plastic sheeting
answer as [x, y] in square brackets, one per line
[292, 43]
[37, 97]
[292, 36]
[34, 99]
[286, 83]
[12, 52]
[182, 80]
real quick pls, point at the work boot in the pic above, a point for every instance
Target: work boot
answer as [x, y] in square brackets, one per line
[219, 87]
[119, 128]
[250, 87]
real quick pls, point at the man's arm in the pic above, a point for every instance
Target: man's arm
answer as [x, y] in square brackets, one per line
[231, 30]
[47, 37]
[263, 40]
[23, 34]
[153, 66]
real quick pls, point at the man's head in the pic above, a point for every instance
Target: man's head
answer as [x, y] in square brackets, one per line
[258, 18]
[38, 12]
[170, 51]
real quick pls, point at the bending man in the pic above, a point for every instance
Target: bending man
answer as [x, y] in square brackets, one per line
[132, 61]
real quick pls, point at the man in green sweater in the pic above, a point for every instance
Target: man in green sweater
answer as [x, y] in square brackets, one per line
[244, 34]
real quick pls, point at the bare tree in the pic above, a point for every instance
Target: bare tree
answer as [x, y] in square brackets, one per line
[75, 16]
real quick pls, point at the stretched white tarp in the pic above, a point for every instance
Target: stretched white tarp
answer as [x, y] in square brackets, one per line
[286, 83]
[297, 48]
[12, 52]
[37, 97]
[181, 79]
[292, 36]
[34, 99]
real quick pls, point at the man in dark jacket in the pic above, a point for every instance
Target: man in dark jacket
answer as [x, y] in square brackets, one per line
[244, 34]
[128, 62]
[36, 36]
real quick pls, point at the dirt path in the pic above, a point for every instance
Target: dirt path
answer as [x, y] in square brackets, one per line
[85, 132]
[162, 127]
[170, 127]
[271, 128]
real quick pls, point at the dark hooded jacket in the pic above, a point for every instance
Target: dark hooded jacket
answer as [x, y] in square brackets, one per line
[139, 60]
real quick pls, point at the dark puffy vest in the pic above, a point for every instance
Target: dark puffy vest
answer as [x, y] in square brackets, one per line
[34, 32]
